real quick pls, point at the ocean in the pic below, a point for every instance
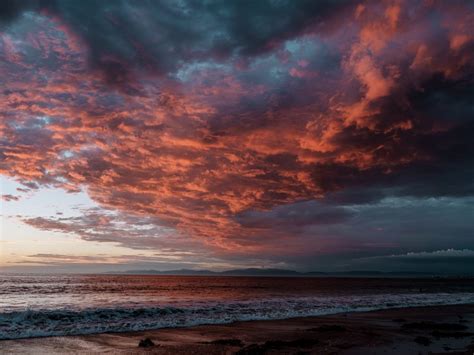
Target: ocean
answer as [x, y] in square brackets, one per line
[47, 305]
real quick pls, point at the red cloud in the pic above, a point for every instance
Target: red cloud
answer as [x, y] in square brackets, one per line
[196, 151]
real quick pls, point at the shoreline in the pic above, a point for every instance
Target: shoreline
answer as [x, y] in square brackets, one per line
[436, 329]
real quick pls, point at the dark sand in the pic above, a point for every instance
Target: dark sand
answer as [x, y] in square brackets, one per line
[423, 330]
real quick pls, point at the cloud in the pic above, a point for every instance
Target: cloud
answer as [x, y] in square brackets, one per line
[295, 215]
[62, 259]
[95, 224]
[10, 10]
[161, 37]
[9, 197]
[445, 253]
[228, 125]
[444, 261]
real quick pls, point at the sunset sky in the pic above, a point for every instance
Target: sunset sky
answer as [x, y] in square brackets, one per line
[307, 135]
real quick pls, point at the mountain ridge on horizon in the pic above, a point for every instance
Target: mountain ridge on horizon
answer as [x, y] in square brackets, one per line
[274, 272]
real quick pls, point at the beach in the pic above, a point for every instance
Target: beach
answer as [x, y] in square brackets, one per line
[417, 330]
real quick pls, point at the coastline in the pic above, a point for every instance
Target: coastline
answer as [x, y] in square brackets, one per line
[430, 329]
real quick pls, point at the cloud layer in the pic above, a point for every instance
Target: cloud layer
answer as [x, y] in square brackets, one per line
[237, 126]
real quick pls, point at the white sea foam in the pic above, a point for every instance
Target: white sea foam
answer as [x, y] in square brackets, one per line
[49, 322]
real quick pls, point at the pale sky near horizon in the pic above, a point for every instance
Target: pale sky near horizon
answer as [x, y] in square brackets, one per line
[20, 243]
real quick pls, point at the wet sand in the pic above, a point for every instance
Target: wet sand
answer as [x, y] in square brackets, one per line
[422, 330]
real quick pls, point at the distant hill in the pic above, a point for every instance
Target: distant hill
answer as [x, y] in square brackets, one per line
[261, 272]
[273, 273]
[167, 272]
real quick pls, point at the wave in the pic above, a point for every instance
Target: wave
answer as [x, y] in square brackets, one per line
[41, 323]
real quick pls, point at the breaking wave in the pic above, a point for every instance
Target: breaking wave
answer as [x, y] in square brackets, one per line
[40, 323]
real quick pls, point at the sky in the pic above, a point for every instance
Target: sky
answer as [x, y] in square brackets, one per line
[306, 135]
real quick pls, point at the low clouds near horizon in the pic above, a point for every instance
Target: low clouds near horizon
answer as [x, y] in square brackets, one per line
[295, 131]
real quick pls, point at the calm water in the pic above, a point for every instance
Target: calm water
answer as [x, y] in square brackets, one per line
[81, 304]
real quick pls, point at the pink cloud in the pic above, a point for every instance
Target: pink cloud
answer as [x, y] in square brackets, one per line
[196, 151]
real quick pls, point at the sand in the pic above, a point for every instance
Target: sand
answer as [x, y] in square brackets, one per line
[422, 330]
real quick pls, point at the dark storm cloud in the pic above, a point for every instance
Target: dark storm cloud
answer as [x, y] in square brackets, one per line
[160, 36]
[296, 215]
[442, 109]
[11, 9]
[390, 235]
